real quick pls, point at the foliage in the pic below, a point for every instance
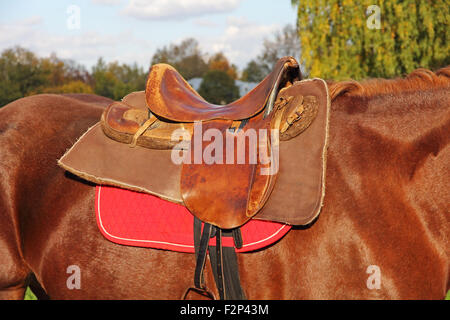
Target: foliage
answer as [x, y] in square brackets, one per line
[186, 58]
[220, 62]
[218, 87]
[20, 70]
[76, 86]
[115, 81]
[22, 73]
[254, 72]
[337, 42]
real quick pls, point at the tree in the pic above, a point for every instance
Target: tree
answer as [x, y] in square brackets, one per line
[341, 39]
[284, 43]
[254, 72]
[115, 81]
[21, 72]
[280, 44]
[185, 57]
[75, 86]
[218, 87]
[220, 62]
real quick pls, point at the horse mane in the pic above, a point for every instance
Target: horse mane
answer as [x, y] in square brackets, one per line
[419, 79]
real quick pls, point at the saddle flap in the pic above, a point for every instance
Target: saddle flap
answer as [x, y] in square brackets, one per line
[232, 180]
[216, 192]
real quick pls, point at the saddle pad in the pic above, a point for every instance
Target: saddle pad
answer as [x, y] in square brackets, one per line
[143, 220]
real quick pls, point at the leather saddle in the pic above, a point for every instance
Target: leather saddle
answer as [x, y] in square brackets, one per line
[151, 142]
[223, 192]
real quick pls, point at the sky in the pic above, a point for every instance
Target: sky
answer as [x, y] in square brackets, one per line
[131, 31]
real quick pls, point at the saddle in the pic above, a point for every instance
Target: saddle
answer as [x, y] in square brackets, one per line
[262, 156]
[169, 103]
[223, 193]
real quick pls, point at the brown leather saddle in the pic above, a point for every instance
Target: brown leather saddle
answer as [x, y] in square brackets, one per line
[262, 156]
[223, 192]
[278, 132]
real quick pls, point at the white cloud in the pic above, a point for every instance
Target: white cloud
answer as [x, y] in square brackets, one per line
[177, 9]
[31, 21]
[204, 22]
[241, 41]
[83, 47]
[17, 30]
[107, 2]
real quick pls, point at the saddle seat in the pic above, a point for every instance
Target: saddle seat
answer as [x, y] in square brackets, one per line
[169, 103]
[170, 96]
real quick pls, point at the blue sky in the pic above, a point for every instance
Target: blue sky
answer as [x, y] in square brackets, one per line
[131, 30]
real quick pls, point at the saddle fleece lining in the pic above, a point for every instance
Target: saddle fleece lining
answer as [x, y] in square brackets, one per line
[143, 220]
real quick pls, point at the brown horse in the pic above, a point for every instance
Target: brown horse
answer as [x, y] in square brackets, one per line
[383, 232]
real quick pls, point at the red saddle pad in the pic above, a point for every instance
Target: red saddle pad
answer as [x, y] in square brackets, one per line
[143, 220]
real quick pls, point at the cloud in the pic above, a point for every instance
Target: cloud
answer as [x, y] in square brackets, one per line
[204, 22]
[107, 2]
[177, 9]
[83, 47]
[241, 41]
[17, 30]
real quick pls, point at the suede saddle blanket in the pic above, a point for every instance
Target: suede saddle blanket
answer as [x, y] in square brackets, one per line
[143, 220]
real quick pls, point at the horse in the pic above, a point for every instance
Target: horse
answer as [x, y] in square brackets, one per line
[383, 231]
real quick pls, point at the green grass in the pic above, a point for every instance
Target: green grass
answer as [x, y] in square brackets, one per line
[447, 297]
[29, 295]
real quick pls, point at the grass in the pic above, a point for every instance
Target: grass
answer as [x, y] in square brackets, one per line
[29, 295]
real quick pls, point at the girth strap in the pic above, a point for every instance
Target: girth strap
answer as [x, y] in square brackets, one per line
[201, 251]
[223, 261]
[225, 265]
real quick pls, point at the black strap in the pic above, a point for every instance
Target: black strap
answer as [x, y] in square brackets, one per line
[201, 256]
[225, 266]
[219, 265]
[223, 261]
[237, 237]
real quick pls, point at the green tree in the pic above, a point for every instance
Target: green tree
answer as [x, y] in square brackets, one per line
[21, 72]
[115, 81]
[254, 72]
[218, 87]
[339, 39]
[186, 57]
